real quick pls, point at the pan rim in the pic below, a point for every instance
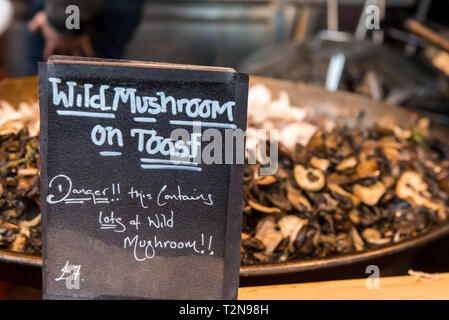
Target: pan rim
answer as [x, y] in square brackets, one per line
[282, 268]
[339, 260]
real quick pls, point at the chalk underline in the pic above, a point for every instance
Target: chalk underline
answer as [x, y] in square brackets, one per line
[144, 119]
[148, 160]
[203, 124]
[110, 153]
[86, 114]
[169, 167]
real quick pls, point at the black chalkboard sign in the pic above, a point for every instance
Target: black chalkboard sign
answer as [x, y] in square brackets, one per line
[129, 211]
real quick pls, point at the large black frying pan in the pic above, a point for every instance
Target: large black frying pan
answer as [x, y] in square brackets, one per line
[26, 269]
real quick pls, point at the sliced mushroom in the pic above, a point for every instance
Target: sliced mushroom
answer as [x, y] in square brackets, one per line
[246, 209]
[332, 141]
[290, 226]
[370, 195]
[354, 216]
[25, 182]
[19, 244]
[344, 151]
[402, 134]
[27, 172]
[336, 189]
[329, 239]
[387, 123]
[442, 212]
[262, 208]
[374, 237]
[367, 168]
[298, 201]
[316, 141]
[320, 163]
[11, 213]
[388, 181]
[25, 231]
[389, 142]
[253, 244]
[412, 188]
[265, 180]
[268, 234]
[261, 256]
[391, 154]
[245, 236]
[348, 163]
[282, 173]
[31, 223]
[9, 226]
[279, 200]
[309, 179]
[357, 240]
[339, 179]
[344, 243]
[326, 202]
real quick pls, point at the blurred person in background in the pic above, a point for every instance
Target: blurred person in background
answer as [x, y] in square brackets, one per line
[6, 16]
[106, 26]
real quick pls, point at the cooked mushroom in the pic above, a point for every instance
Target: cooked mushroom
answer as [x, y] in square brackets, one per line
[309, 179]
[373, 236]
[357, 240]
[326, 202]
[412, 188]
[320, 163]
[290, 226]
[253, 244]
[329, 239]
[336, 178]
[332, 140]
[279, 200]
[316, 141]
[262, 208]
[367, 168]
[339, 191]
[268, 233]
[265, 180]
[348, 163]
[19, 244]
[354, 216]
[31, 223]
[28, 172]
[388, 181]
[25, 231]
[371, 233]
[344, 243]
[370, 195]
[298, 201]
[402, 134]
[351, 177]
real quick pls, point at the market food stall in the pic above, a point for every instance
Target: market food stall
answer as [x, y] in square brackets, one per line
[357, 207]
